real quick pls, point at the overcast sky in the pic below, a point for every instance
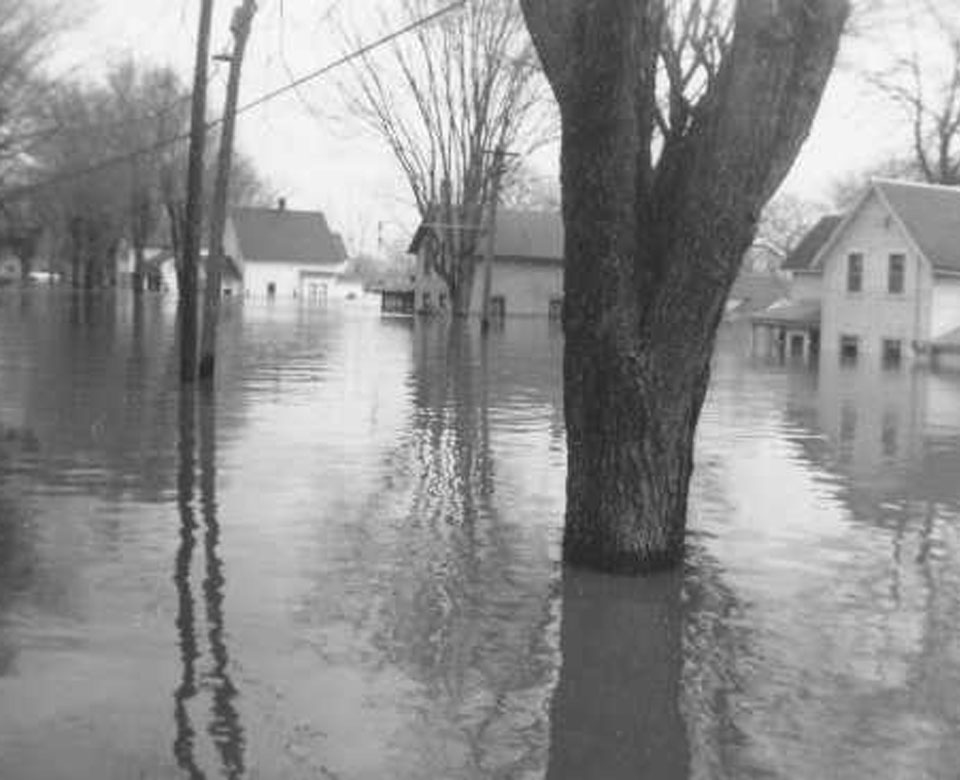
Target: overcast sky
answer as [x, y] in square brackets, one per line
[316, 157]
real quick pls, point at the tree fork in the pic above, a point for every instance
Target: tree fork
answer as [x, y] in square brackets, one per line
[652, 246]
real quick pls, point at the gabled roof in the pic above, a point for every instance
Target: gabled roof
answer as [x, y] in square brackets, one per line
[527, 235]
[950, 339]
[283, 235]
[929, 215]
[810, 245]
[755, 290]
[796, 313]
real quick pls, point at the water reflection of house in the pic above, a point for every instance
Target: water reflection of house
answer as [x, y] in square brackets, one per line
[527, 270]
[886, 277]
[874, 418]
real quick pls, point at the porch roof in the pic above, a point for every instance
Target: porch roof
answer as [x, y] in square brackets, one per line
[802, 313]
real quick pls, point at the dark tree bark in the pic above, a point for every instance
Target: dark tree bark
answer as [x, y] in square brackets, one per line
[653, 243]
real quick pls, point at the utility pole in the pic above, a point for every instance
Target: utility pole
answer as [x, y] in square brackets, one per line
[497, 173]
[240, 28]
[194, 210]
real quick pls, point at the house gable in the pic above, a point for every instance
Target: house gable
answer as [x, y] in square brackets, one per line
[873, 230]
[873, 314]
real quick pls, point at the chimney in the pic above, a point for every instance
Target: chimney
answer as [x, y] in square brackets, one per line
[281, 204]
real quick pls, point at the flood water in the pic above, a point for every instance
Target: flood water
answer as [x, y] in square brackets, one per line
[346, 564]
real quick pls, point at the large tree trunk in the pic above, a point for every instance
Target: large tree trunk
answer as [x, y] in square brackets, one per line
[139, 264]
[652, 249]
[462, 293]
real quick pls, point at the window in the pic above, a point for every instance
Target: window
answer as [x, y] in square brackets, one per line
[849, 349]
[556, 309]
[797, 344]
[855, 272]
[442, 300]
[892, 353]
[895, 273]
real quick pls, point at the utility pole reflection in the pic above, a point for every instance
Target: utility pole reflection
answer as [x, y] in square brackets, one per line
[225, 728]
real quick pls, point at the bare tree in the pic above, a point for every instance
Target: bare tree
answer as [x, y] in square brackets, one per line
[784, 222]
[659, 207]
[444, 98]
[923, 80]
[28, 28]
[526, 189]
[150, 105]
[87, 212]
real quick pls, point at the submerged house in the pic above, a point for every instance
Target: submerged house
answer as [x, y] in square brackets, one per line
[285, 253]
[526, 273]
[272, 253]
[881, 283]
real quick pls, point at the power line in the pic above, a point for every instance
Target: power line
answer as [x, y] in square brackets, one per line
[356, 53]
[109, 162]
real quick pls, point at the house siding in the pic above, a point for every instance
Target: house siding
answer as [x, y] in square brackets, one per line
[429, 288]
[873, 314]
[526, 286]
[806, 286]
[945, 309]
[290, 280]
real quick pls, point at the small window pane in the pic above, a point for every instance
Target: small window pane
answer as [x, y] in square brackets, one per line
[892, 353]
[849, 349]
[896, 272]
[855, 272]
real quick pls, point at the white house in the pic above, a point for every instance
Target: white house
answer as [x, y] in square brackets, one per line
[526, 273]
[882, 282]
[282, 253]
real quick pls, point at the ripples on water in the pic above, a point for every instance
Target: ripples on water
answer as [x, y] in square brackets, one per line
[346, 563]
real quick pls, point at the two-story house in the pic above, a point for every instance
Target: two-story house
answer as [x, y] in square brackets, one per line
[881, 283]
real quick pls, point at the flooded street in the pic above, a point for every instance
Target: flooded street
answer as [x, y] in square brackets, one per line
[346, 564]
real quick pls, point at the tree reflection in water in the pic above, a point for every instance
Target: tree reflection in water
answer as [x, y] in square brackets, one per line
[471, 608]
[225, 728]
[616, 708]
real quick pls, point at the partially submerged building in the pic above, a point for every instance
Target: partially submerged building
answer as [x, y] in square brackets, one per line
[282, 253]
[526, 273]
[880, 283]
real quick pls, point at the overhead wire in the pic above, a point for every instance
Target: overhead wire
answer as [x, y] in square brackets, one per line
[109, 162]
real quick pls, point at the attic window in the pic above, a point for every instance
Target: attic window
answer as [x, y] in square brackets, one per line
[895, 273]
[855, 272]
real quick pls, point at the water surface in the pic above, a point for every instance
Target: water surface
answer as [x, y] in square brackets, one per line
[345, 563]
